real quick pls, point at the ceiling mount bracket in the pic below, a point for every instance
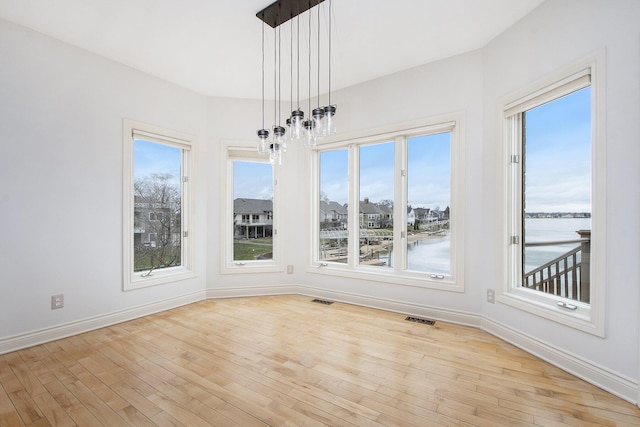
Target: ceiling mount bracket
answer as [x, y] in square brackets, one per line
[281, 11]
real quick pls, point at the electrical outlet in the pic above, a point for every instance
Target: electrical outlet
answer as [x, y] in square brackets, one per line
[289, 269]
[57, 301]
[491, 296]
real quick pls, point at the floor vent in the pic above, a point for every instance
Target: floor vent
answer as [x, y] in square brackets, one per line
[420, 320]
[321, 301]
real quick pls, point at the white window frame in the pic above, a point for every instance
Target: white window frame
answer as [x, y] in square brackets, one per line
[587, 317]
[246, 151]
[398, 275]
[185, 142]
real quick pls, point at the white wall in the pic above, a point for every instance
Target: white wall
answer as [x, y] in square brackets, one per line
[450, 86]
[61, 113]
[545, 41]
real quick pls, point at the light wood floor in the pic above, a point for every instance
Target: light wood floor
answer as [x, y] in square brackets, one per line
[287, 361]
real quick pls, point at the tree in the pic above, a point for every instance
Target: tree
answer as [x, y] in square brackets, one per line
[157, 222]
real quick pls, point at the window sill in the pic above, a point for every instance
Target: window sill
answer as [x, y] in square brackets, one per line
[546, 306]
[251, 267]
[167, 275]
[414, 279]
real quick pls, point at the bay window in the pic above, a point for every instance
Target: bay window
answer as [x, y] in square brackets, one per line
[389, 206]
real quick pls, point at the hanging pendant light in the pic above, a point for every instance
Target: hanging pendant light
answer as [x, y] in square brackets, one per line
[309, 124]
[263, 134]
[318, 112]
[321, 120]
[329, 122]
[297, 115]
[278, 144]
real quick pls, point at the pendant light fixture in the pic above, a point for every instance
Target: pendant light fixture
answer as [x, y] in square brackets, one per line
[297, 115]
[278, 144]
[309, 124]
[321, 120]
[318, 112]
[263, 134]
[329, 121]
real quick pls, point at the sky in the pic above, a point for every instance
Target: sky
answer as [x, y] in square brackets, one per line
[153, 158]
[428, 172]
[558, 155]
[252, 180]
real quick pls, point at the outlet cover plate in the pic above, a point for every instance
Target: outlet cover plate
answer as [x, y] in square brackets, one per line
[491, 296]
[57, 301]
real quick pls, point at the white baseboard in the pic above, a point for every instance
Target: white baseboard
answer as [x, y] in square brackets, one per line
[349, 298]
[614, 383]
[435, 313]
[623, 387]
[252, 291]
[41, 336]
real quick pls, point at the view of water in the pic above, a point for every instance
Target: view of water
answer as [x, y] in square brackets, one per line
[432, 255]
[551, 229]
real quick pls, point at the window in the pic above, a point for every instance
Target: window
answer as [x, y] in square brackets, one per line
[555, 216]
[250, 230]
[333, 205]
[156, 206]
[429, 201]
[377, 167]
[389, 206]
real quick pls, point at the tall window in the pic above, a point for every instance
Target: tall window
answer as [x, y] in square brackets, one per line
[252, 211]
[156, 206]
[375, 214]
[250, 227]
[333, 211]
[556, 193]
[429, 203]
[388, 208]
[552, 214]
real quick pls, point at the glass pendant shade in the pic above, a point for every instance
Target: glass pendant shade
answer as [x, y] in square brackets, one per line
[309, 133]
[275, 154]
[297, 125]
[263, 141]
[279, 142]
[277, 145]
[318, 114]
[289, 130]
[329, 120]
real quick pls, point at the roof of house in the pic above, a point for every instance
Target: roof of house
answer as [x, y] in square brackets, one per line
[252, 206]
[333, 206]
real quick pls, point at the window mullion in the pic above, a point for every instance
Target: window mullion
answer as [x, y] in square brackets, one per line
[400, 205]
[354, 206]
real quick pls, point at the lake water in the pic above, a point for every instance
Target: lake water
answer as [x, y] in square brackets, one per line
[433, 255]
[551, 229]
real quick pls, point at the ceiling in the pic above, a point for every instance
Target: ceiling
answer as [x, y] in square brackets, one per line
[213, 47]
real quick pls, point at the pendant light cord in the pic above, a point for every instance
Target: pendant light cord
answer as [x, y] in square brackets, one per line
[329, 74]
[263, 75]
[275, 77]
[279, 76]
[318, 54]
[291, 65]
[309, 62]
[298, 60]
